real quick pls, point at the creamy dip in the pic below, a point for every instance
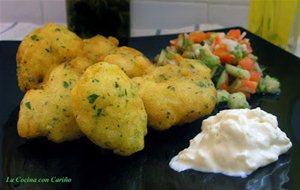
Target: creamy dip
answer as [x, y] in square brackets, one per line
[234, 142]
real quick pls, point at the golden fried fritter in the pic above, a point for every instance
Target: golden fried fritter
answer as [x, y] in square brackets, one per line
[97, 47]
[42, 50]
[47, 111]
[177, 94]
[130, 60]
[108, 109]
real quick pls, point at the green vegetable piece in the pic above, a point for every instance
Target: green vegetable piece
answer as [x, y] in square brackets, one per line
[222, 79]
[208, 58]
[162, 58]
[238, 52]
[168, 54]
[237, 101]
[269, 85]
[237, 72]
[212, 37]
[222, 96]
[92, 98]
[251, 56]
[27, 104]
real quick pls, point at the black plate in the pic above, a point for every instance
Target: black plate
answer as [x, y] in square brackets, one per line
[90, 167]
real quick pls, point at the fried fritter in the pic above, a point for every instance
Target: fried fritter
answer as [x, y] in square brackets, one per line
[130, 60]
[97, 47]
[108, 109]
[47, 111]
[42, 50]
[177, 94]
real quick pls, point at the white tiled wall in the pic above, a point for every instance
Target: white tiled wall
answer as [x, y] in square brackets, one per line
[145, 14]
[148, 14]
[35, 11]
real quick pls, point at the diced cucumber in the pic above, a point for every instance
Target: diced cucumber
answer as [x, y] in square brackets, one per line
[222, 96]
[237, 101]
[251, 56]
[168, 54]
[161, 57]
[208, 58]
[269, 85]
[222, 79]
[237, 72]
[234, 87]
[257, 68]
[238, 52]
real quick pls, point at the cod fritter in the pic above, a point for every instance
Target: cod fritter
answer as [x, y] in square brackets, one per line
[42, 50]
[47, 111]
[97, 47]
[108, 109]
[177, 94]
[130, 60]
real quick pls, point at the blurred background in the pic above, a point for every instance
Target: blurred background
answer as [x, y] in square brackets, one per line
[155, 17]
[145, 15]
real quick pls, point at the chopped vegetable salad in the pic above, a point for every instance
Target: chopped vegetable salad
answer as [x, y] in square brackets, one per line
[235, 70]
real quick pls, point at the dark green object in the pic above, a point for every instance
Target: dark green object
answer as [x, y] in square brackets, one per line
[106, 17]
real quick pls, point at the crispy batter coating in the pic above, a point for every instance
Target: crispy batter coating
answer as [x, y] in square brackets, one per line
[130, 60]
[42, 50]
[108, 109]
[177, 94]
[97, 47]
[47, 111]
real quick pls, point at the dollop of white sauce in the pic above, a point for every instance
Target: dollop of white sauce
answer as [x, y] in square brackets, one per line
[234, 142]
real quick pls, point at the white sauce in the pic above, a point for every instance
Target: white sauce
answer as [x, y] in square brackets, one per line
[234, 142]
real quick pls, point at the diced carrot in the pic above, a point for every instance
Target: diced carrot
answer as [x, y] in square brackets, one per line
[175, 41]
[224, 55]
[198, 37]
[255, 76]
[217, 41]
[234, 34]
[248, 86]
[247, 63]
[225, 86]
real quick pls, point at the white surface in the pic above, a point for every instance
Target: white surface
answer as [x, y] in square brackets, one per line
[145, 15]
[234, 142]
[34, 11]
[228, 15]
[166, 15]
[16, 31]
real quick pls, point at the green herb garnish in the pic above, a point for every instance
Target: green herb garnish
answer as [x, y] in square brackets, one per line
[99, 111]
[171, 88]
[92, 98]
[66, 85]
[95, 81]
[34, 37]
[117, 85]
[27, 104]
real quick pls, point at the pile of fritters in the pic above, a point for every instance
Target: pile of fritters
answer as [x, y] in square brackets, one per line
[92, 87]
